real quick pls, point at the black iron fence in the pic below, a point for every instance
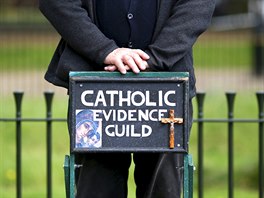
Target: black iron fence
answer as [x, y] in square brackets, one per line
[48, 120]
[230, 120]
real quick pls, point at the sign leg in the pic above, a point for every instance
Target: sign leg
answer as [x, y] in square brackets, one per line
[188, 177]
[72, 176]
[66, 168]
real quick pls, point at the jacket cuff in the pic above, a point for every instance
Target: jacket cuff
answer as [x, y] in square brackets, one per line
[104, 53]
[153, 66]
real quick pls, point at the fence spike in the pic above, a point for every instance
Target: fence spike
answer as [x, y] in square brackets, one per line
[48, 99]
[200, 101]
[230, 102]
[260, 98]
[18, 101]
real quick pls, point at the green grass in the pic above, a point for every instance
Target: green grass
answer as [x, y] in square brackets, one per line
[35, 51]
[223, 53]
[215, 148]
[28, 54]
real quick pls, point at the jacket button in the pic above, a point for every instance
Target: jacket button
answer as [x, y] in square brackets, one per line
[130, 44]
[130, 16]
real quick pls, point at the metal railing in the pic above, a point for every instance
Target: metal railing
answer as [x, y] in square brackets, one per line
[48, 120]
[230, 120]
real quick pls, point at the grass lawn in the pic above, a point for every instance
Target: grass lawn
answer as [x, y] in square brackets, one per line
[215, 148]
[35, 50]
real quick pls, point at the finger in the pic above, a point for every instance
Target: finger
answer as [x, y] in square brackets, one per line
[142, 54]
[138, 60]
[129, 61]
[114, 67]
[127, 68]
[110, 68]
[146, 64]
[120, 66]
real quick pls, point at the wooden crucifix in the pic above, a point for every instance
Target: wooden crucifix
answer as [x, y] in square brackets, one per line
[171, 120]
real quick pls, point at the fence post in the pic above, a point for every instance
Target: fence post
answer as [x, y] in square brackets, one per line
[230, 102]
[48, 99]
[260, 98]
[18, 101]
[200, 101]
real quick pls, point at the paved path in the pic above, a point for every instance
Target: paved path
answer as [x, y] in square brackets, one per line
[229, 80]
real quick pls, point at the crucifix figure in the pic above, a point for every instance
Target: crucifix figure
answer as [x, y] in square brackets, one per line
[172, 120]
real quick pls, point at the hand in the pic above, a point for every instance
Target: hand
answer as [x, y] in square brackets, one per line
[123, 59]
[112, 68]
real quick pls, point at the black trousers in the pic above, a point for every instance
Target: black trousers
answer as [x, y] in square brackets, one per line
[104, 175]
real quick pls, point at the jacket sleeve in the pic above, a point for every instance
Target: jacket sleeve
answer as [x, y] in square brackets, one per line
[187, 20]
[75, 26]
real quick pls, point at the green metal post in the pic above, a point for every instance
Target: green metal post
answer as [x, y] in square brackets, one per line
[72, 176]
[190, 169]
[66, 168]
[188, 177]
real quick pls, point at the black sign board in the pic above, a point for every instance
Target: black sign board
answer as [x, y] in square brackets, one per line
[144, 112]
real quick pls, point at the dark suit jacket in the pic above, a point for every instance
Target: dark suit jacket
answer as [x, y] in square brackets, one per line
[83, 47]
